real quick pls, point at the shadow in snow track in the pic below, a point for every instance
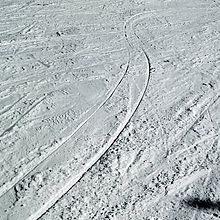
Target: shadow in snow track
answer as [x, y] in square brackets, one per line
[202, 204]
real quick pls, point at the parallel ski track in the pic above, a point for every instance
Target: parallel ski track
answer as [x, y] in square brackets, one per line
[67, 187]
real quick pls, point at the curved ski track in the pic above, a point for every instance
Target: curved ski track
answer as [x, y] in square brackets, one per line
[67, 187]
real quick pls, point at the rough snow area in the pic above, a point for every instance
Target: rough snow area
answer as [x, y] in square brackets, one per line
[109, 109]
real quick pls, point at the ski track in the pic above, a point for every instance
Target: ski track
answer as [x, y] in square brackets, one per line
[10, 128]
[11, 106]
[64, 190]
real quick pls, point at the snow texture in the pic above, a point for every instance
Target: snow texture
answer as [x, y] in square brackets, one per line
[109, 109]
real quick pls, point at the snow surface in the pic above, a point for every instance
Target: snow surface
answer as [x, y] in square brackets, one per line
[109, 109]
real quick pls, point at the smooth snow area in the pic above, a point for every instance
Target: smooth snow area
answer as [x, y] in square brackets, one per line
[109, 109]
